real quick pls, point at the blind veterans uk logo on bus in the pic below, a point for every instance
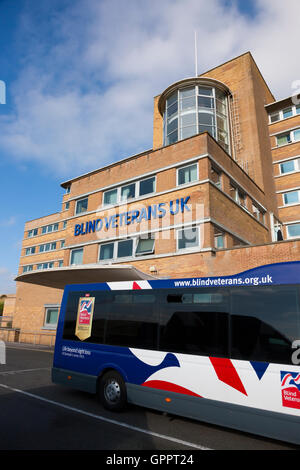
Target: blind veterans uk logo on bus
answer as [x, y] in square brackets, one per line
[290, 389]
[84, 317]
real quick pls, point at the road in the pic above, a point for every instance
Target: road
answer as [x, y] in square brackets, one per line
[38, 415]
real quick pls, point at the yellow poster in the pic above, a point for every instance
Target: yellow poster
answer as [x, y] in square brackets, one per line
[84, 317]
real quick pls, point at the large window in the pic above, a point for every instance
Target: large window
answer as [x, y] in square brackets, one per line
[47, 247]
[51, 317]
[265, 322]
[32, 233]
[50, 228]
[188, 238]
[27, 268]
[187, 174]
[30, 250]
[245, 323]
[129, 191]
[145, 246]
[48, 265]
[126, 248]
[288, 137]
[120, 318]
[289, 166]
[293, 230]
[192, 110]
[284, 113]
[76, 256]
[292, 197]
[194, 322]
[81, 205]
[132, 320]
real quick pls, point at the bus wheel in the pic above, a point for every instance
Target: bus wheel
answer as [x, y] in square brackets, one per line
[112, 391]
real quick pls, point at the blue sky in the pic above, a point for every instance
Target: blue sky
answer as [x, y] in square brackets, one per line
[81, 75]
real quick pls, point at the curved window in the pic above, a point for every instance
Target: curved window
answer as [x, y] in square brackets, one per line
[192, 110]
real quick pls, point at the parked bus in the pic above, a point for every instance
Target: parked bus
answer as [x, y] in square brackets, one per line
[223, 350]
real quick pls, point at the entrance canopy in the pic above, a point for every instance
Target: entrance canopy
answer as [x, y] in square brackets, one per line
[60, 277]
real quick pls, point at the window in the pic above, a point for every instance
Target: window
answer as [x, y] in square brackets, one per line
[147, 186]
[27, 268]
[145, 246]
[192, 110]
[128, 192]
[187, 174]
[68, 189]
[120, 318]
[32, 233]
[238, 195]
[274, 117]
[284, 113]
[110, 197]
[287, 167]
[265, 322]
[76, 256]
[216, 177]
[258, 214]
[60, 263]
[283, 139]
[30, 250]
[194, 322]
[51, 317]
[124, 248]
[132, 320]
[288, 137]
[187, 238]
[62, 243]
[47, 247]
[292, 197]
[50, 228]
[65, 224]
[81, 205]
[219, 240]
[293, 230]
[106, 251]
[48, 265]
[288, 112]
[67, 206]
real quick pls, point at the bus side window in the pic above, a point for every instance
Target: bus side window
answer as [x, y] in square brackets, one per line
[265, 322]
[133, 320]
[194, 322]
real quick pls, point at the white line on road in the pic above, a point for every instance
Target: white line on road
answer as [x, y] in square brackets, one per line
[107, 420]
[11, 372]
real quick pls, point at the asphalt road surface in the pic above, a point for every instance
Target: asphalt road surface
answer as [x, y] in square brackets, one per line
[38, 415]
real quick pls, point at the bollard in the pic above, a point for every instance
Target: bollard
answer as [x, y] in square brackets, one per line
[2, 353]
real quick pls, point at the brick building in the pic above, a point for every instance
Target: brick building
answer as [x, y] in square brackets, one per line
[219, 193]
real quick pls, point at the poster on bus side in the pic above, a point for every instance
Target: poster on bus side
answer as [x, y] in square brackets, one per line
[84, 317]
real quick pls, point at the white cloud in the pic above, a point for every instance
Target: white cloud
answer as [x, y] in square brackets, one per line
[84, 95]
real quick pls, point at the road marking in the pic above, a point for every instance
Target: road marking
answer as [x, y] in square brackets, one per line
[108, 420]
[11, 372]
[51, 351]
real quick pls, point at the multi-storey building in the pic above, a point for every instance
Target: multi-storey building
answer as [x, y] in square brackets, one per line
[217, 194]
[284, 125]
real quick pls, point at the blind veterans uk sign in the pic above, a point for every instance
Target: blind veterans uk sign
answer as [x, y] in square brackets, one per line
[133, 217]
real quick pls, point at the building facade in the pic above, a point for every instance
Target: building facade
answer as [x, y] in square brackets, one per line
[219, 193]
